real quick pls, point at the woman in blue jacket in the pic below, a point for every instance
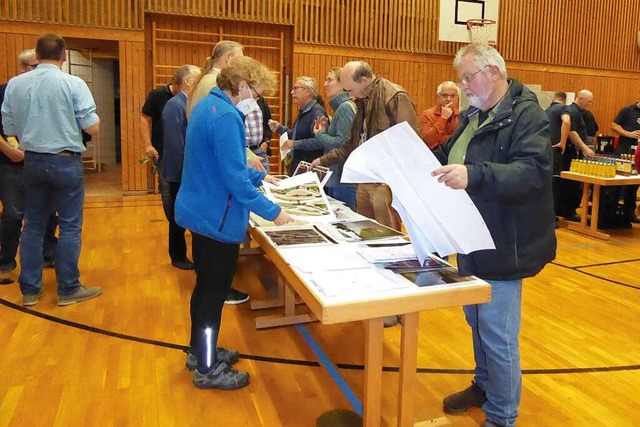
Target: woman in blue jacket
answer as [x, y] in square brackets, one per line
[218, 190]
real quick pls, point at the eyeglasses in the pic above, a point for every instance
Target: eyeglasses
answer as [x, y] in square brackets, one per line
[465, 80]
[31, 65]
[254, 90]
[448, 95]
[298, 87]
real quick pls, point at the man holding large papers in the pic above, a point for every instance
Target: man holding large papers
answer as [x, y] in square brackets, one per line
[501, 155]
[380, 105]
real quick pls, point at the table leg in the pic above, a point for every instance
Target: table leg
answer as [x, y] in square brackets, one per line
[595, 207]
[408, 365]
[373, 373]
[585, 204]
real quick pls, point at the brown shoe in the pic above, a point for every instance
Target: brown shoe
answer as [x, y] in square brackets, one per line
[471, 397]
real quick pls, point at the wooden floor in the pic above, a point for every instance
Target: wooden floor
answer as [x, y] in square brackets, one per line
[118, 361]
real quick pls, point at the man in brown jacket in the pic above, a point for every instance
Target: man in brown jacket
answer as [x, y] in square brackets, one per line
[381, 104]
[438, 123]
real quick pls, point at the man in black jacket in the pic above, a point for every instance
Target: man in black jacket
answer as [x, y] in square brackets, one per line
[501, 155]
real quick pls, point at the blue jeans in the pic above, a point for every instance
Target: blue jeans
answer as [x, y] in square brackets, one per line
[346, 193]
[51, 181]
[495, 327]
[263, 156]
[12, 198]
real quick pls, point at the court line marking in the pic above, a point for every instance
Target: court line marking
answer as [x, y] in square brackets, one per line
[279, 360]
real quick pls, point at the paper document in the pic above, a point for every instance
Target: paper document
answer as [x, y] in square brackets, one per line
[323, 258]
[284, 138]
[437, 218]
[323, 173]
[302, 197]
[357, 283]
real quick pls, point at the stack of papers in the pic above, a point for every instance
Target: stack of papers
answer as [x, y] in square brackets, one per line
[437, 218]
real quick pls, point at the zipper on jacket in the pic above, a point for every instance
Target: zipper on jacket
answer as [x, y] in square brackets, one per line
[226, 212]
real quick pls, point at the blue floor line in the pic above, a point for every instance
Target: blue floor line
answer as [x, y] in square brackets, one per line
[331, 368]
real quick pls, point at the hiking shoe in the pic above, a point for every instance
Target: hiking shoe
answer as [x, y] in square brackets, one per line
[235, 297]
[29, 300]
[183, 264]
[82, 294]
[7, 277]
[227, 356]
[471, 397]
[222, 377]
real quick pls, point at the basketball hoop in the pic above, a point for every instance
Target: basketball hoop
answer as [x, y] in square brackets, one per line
[479, 30]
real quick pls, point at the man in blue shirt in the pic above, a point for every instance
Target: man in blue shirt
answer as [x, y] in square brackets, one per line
[174, 124]
[46, 110]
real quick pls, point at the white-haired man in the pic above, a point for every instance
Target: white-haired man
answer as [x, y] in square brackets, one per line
[501, 155]
[439, 122]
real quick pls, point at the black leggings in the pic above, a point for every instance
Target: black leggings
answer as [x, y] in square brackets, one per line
[215, 264]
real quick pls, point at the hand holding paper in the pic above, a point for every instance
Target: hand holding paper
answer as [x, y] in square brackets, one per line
[436, 216]
[284, 151]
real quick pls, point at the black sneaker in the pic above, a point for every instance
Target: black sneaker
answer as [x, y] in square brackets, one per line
[227, 356]
[235, 297]
[222, 377]
[183, 264]
[471, 397]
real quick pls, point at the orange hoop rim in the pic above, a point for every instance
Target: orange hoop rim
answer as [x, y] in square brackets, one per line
[471, 23]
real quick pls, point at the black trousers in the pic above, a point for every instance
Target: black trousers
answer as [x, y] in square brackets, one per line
[567, 194]
[215, 264]
[177, 241]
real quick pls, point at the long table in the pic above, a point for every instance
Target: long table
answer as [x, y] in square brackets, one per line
[597, 182]
[372, 311]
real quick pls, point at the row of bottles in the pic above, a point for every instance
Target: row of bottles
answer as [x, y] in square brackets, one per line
[602, 167]
[605, 166]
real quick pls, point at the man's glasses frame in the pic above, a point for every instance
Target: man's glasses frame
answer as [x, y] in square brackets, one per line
[465, 80]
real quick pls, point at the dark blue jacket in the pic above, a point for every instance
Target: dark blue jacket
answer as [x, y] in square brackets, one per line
[302, 132]
[174, 125]
[509, 169]
[218, 189]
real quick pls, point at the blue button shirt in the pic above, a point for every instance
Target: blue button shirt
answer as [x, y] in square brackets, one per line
[46, 108]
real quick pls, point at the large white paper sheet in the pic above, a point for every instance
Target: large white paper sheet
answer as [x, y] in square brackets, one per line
[436, 217]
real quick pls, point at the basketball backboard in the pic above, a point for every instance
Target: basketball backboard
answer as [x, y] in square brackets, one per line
[454, 15]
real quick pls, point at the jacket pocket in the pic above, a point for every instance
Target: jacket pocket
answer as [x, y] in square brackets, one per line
[226, 212]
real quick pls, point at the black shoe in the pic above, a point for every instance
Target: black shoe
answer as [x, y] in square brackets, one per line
[634, 219]
[183, 264]
[235, 297]
[471, 397]
[48, 263]
[487, 423]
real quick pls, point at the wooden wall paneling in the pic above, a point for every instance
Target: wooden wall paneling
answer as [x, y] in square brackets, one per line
[180, 40]
[420, 74]
[132, 96]
[124, 14]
